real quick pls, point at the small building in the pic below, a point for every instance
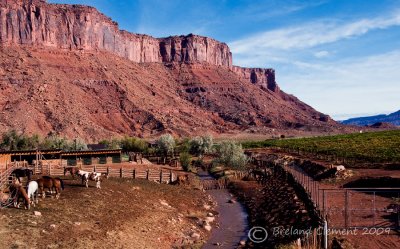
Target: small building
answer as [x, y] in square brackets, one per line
[59, 157]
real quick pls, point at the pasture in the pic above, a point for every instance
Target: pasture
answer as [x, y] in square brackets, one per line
[357, 148]
[124, 213]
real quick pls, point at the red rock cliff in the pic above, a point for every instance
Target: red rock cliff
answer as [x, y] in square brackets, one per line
[35, 22]
[264, 77]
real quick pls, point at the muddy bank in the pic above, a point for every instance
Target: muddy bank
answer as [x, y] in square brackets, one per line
[232, 220]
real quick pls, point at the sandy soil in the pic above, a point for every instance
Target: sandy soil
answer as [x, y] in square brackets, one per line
[123, 214]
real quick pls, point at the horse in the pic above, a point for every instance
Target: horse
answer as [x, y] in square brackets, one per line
[94, 176]
[21, 172]
[52, 184]
[17, 192]
[32, 191]
[72, 170]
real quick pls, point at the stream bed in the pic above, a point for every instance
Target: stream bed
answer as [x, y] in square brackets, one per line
[232, 220]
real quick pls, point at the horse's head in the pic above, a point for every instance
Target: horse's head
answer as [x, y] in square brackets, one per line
[16, 182]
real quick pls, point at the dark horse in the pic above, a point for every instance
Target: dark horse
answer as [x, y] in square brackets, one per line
[50, 183]
[21, 172]
[18, 192]
[72, 170]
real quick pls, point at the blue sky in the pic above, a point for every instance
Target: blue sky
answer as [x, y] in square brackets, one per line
[341, 57]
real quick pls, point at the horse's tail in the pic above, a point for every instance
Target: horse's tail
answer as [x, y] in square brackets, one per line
[62, 182]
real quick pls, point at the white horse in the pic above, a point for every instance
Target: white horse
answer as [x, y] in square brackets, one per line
[86, 176]
[32, 191]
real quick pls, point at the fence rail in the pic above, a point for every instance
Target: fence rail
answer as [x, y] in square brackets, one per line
[161, 175]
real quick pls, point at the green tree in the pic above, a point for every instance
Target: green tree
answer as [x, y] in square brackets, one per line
[232, 155]
[112, 144]
[134, 144]
[201, 145]
[185, 159]
[183, 145]
[10, 140]
[166, 144]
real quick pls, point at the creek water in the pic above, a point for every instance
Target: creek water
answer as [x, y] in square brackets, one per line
[232, 220]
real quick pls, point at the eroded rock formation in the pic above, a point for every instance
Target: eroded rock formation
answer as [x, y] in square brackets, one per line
[68, 69]
[34, 22]
[78, 27]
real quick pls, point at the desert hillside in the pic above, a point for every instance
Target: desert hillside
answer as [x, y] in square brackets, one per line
[68, 69]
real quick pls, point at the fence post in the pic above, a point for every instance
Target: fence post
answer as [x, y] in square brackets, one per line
[108, 171]
[375, 208]
[325, 234]
[147, 174]
[170, 176]
[161, 176]
[323, 201]
[120, 172]
[346, 224]
[94, 168]
[134, 173]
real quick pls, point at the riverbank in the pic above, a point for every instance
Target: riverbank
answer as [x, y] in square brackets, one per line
[232, 220]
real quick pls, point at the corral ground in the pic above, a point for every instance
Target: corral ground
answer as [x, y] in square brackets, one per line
[125, 213]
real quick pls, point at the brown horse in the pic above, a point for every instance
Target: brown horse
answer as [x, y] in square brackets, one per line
[50, 183]
[18, 192]
[72, 170]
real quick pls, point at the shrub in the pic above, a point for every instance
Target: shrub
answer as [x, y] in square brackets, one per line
[201, 145]
[111, 144]
[166, 144]
[232, 155]
[134, 144]
[183, 145]
[185, 159]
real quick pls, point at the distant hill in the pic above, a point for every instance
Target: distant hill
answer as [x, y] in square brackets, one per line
[393, 118]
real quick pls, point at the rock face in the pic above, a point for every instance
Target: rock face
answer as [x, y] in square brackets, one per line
[69, 70]
[78, 27]
[34, 22]
[264, 77]
[194, 48]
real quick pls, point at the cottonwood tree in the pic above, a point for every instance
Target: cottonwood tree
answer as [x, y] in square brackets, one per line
[232, 155]
[166, 145]
[201, 145]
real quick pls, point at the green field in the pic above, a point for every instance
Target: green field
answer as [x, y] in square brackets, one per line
[369, 147]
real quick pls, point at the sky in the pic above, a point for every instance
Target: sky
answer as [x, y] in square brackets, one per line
[341, 57]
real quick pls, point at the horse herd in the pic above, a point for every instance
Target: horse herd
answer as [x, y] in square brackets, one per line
[33, 188]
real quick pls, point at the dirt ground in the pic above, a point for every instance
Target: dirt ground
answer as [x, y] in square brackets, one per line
[122, 214]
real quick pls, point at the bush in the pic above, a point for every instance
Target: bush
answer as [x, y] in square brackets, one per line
[232, 155]
[166, 144]
[201, 145]
[11, 140]
[111, 144]
[134, 144]
[185, 159]
[183, 145]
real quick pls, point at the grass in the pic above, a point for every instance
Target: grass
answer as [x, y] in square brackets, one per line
[370, 147]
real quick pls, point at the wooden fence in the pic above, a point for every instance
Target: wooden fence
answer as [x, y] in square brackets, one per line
[156, 175]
